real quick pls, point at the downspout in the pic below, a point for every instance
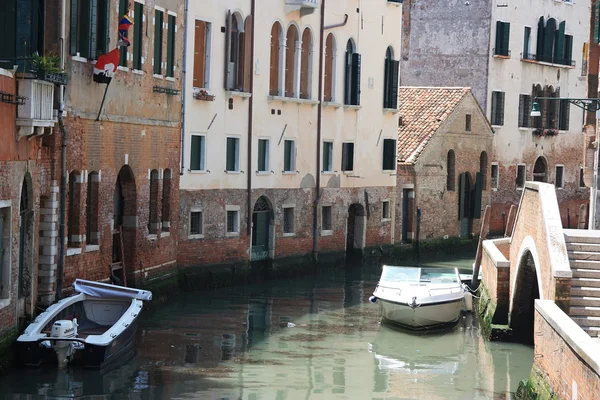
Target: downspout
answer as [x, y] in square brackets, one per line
[319, 123]
[60, 265]
[183, 87]
[250, 108]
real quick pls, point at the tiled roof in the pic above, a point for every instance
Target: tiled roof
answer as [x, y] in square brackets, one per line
[422, 110]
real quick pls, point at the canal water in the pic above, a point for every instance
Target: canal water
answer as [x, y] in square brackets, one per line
[315, 337]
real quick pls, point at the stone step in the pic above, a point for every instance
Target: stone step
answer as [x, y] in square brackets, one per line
[593, 331]
[589, 247]
[581, 236]
[584, 255]
[586, 273]
[585, 282]
[587, 321]
[584, 311]
[585, 264]
[584, 301]
[585, 291]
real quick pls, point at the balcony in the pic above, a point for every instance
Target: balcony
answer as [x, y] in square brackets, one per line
[36, 113]
[305, 6]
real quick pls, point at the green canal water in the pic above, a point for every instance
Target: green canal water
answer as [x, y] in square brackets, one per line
[315, 337]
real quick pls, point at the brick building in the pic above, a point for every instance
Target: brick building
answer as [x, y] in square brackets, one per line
[444, 140]
[276, 165]
[510, 56]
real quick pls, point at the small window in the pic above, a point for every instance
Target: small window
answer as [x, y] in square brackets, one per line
[202, 38]
[389, 154]
[502, 38]
[89, 28]
[526, 43]
[233, 221]
[138, 34]
[123, 35]
[468, 122]
[326, 218]
[289, 156]
[495, 176]
[171, 46]
[497, 108]
[158, 41]
[327, 156]
[450, 171]
[558, 181]
[196, 223]
[166, 201]
[263, 155]
[564, 113]
[92, 230]
[347, 157]
[581, 178]
[233, 155]
[483, 169]
[154, 224]
[288, 220]
[385, 211]
[524, 110]
[198, 153]
[520, 176]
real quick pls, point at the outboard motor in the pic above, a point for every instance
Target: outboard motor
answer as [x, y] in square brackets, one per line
[64, 329]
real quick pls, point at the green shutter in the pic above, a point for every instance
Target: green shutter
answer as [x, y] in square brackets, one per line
[195, 153]
[93, 29]
[171, 46]
[568, 56]
[287, 155]
[158, 39]
[386, 83]
[355, 80]
[549, 34]
[476, 201]
[505, 38]
[326, 156]
[559, 44]
[137, 35]
[501, 107]
[564, 114]
[389, 154]
[262, 155]
[348, 79]
[230, 154]
[526, 39]
[394, 68]
[539, 47]
[122, 50]
[597, 22]
[74, 27]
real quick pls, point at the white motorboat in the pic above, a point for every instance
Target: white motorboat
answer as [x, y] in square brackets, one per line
[95, 327]
[419, 298]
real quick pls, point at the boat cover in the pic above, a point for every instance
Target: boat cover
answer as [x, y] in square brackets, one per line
[98, 289]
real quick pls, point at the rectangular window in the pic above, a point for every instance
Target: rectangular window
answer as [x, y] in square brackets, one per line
[171, 29]
[123, 9]
[233, 221]
[89, 28]
[138, 34]
[289, 156]
[568, 52]
[497, 108]
[524, 110]
[196, 223]
[198, 153]
[527, 43]
[288, 220]
[389, 154]
[385, 210]
[326, 224]
[581, 178]
[263, 155]
[495, 176]
[520, 176]
[563, 116]
[558, 180]
[502, 38]
[347, 157]
[158, 40]
[468, 123]
[201, 54]
[233, 155]
[390, 83]
[328, 156]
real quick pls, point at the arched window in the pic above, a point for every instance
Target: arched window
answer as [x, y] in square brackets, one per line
[153, 220]
[352, 75]
[540, 170]
[483, 169]
[74, 237]
[277, 47]
[292, 58]
[92, 229]
[451, 172]
[166, 201]
[330, 49]
[306, 65]
[390, 80]
[235, 69]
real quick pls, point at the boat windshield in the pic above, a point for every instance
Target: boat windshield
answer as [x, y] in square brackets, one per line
[400, 274]
[438, 275]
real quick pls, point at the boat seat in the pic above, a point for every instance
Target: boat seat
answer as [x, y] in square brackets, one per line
[84, 333]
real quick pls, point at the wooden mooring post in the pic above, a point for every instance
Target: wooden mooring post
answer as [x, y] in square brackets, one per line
[485, 228]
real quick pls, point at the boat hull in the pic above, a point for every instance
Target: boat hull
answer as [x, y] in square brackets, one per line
[423, 316]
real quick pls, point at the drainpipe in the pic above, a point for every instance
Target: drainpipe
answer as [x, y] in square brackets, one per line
[60, 265]
[183, 91]
[250, 108]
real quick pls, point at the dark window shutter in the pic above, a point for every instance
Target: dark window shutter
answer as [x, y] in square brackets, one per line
[93, 29]
[287, 155]
[262, 155]
[227, 71]
[394, 66]
[348, 79]
[247, 70]
[501, 108]
[568, 56]
[549, 34]
[597, 23]
[171, 46]
[461, 196]
[195, 153]
[564, 115]
[505, 38]
[326, 156]
[386, 83]
[138, 35]
[476, 200]
[539, 47]
[355, 94]
[230, 154]
[494, 116]
[158, 39]
[499, 28]
[123, 5]
[389, 154]
[559, 44]
[526, 40]
[74, 26]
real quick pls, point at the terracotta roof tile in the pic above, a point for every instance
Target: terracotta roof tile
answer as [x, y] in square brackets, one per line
[422, 110]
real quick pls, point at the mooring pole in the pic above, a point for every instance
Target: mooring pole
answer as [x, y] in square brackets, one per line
[485, 225]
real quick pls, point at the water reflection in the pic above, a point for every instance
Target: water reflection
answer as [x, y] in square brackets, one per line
[309, 338]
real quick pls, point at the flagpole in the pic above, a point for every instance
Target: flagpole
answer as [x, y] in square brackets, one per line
[102, 105]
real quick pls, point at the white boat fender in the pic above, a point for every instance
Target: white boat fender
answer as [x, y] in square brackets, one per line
[373, 299]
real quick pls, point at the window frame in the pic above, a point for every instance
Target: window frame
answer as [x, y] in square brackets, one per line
[521, 186]
[395, 158]
[329, 208]
[385, 218]
[157, 64]
[345, 146]
[330, 167]
[237, 168]
[138, 35]
[285, 208]
[561, 184]
[208, 26]
[6, 235]
[200, 234]
[497, 116]
[94, 31]
[171, 36]
[494, 180]
[266, 155]
[525, 104]
[468, 123]
[202, 155]
[292, 156]
[236, 211]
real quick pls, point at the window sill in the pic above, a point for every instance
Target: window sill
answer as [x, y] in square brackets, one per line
[519, 188]
[234, 93]
[152, 237]
[137, 71]
[328, 172]
[170, 78]
[264, 173]
[157, 76]
[389, 171]
[232, 234]
[497, 126]
[332, 104]
[390, 110]
[327, 233]
[196, 237]
[292, 100]
[501, 56]
[290, 172]
[198, 171]
[386, 219]
[291, 234]
[523, 129]
[71, 251]
[165, 234]
[352, 107]
[348, 172]
[121, 68]
[4, 303]
[494, 189]
[233, 172]
[548, 64]
[92, 247]
[79, 59]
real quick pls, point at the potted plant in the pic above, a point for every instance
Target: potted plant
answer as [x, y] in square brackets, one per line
[203, 94]
[47, 68]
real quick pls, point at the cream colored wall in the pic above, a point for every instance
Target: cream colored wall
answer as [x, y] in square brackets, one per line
[298, 118]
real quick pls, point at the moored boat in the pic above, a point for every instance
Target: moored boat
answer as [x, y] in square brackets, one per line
[95, 327]
[419, 298]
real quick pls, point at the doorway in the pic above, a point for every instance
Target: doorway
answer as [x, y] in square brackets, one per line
[262, 230]
[408, 204]
[26, 248]
[125, 223]
[464, 204]
[355, 229]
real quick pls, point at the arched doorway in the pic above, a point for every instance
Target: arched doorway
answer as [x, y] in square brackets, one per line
[26, 246]
[355, 229]
[540, 170]
[262, 230]
[465, 203]
[525, 292]
[125, 224]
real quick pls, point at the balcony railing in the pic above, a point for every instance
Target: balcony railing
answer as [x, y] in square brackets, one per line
[36, 113]
[307, 6]
[548, 59]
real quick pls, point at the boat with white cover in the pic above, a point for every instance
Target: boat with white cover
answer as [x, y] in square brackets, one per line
[95, 327]
[419, 298]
